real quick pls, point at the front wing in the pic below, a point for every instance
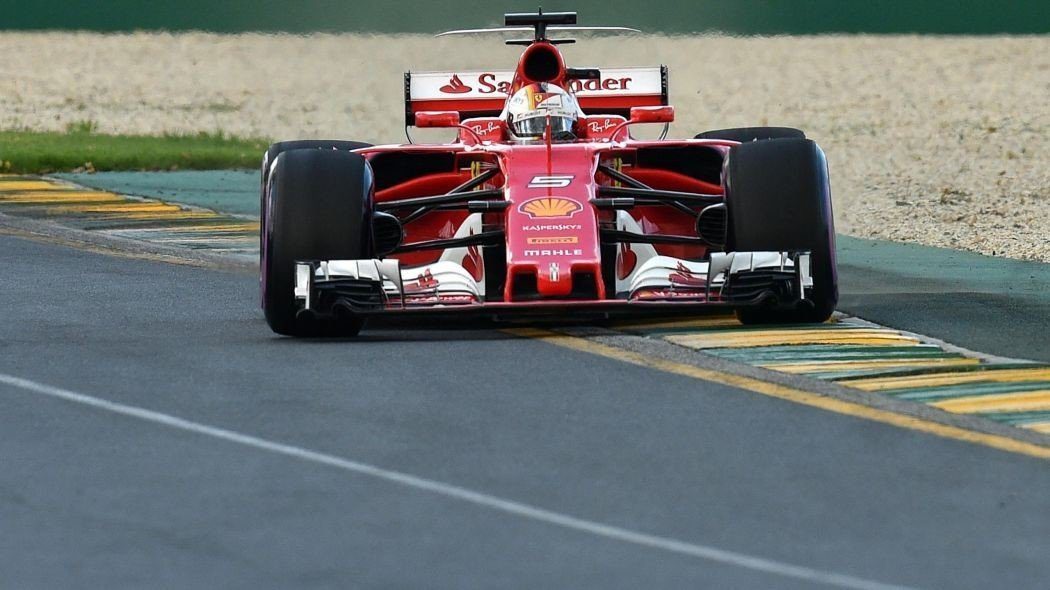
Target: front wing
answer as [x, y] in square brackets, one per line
[377, 287]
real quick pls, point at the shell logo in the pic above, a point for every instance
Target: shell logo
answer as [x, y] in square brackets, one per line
[545, 207]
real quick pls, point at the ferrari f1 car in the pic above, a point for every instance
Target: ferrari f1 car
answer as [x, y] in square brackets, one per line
[544, 204]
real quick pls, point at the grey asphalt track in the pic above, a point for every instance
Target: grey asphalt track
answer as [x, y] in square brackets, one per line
[92, 499]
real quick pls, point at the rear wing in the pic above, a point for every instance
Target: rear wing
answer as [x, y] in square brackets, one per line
[482, 94]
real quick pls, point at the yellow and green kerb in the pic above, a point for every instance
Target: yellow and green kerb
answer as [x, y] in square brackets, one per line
[128, 217]
[875, 359]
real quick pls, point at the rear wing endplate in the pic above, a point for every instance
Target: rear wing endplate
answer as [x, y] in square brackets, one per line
[482, 94]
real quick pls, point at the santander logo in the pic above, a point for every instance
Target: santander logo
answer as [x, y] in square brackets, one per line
[492, 83]
[455, 86]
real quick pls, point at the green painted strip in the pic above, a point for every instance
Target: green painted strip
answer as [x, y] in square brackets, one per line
[833, 348]
[856, 357]
[836, 375]
[788, 358]
[156, 223]
[1017, 418]
[854, 373]
[957, 369]
[38, 208]
[768, 354]
[195, 238]
[932, 394]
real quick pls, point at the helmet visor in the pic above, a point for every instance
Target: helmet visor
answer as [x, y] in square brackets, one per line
[534, 125]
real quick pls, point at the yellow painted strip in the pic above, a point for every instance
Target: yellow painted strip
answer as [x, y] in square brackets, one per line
[938, 379]
[1043, 427]
[711, 322]
[788, 332]
[172, 216]
[251, 226]
[1028, 401]
[169, 233]
[818, 367]
[788, 337]
[30, 185]
[798, 396]
[162, 217]
[122, 207]
[60, 197]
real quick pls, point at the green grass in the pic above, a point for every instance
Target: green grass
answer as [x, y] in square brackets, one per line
[80, 148]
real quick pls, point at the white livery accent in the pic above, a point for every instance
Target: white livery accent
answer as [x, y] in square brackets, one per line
[642, 252]
[554, 181]
[654, 273]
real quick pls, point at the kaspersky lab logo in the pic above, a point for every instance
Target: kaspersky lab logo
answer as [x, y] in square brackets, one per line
[455, 86]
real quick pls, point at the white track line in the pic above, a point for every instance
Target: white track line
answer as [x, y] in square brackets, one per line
[478, 498]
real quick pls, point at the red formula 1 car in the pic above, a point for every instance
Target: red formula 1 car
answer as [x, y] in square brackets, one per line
[545, 204]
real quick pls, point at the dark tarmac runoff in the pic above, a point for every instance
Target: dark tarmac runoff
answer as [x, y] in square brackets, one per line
[154, 433]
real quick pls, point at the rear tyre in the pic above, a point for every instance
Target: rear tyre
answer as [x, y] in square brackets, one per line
[744, 134]
[779, 200]
[320, 209]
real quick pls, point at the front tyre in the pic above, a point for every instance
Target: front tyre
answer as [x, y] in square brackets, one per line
[320, 209]
[778, 199]
[276, 149]
[270, 156]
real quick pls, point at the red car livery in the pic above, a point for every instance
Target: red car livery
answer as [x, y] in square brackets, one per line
[491, 224]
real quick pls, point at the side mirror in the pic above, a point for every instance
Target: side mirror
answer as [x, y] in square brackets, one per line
[437, 119]
[664, 114]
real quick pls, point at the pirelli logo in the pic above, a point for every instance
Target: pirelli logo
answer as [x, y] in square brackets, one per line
[546, 241]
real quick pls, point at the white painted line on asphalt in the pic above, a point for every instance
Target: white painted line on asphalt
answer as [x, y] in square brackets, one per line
[519, 509]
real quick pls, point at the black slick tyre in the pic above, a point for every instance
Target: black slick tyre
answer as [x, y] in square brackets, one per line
[320, 209]
[778, 199]
[275, 149]
[744, 134]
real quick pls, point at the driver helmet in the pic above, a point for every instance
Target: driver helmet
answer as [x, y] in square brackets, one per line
[528, 110]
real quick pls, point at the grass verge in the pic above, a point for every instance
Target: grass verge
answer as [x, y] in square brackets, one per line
[80, 149]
